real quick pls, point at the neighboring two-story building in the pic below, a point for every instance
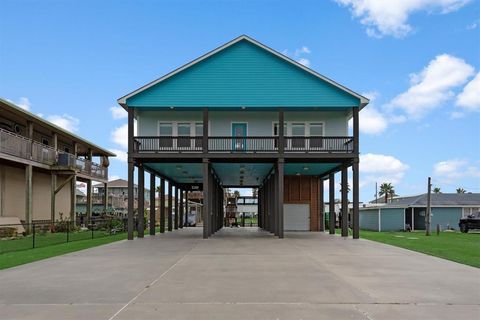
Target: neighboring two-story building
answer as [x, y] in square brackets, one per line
[244, 115]
[118, 194]
[40, 164]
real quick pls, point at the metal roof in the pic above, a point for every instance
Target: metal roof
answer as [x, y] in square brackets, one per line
[97, 151]
[437, 200]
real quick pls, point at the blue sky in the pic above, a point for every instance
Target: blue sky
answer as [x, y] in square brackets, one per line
[419, 61]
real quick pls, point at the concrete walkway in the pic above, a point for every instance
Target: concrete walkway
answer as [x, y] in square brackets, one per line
[241, 274]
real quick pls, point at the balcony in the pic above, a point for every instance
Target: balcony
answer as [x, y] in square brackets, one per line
[297, 144]
[18, 146]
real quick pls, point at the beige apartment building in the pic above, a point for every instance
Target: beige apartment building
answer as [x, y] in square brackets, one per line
[40, 164]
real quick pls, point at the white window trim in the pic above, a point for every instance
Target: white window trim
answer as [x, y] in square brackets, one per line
[306, 123]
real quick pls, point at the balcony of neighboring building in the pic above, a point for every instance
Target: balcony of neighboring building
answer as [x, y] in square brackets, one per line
[18, 148]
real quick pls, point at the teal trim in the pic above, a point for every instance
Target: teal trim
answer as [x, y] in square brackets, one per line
[243, 75]
[309, 169]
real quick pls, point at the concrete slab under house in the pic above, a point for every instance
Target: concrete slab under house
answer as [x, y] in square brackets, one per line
[244, 115]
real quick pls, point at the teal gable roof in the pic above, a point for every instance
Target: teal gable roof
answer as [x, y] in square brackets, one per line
[243, 74]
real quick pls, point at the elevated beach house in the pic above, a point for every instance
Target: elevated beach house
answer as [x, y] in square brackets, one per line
[244, 115]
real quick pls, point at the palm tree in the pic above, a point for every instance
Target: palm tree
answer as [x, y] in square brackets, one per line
[348, 187]
[436, 190]
[236, 193]
[387, 189]
[461, 190]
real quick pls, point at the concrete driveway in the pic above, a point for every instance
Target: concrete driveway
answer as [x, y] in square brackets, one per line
[241, 274]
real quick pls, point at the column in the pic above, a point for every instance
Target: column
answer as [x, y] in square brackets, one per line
[152, 204]
[321, 206]
[73, 190]
[53, 186]
[331, 202]
[356, 199]
[131, 171]
[170, 206]
[181, 211]
[344, 201]
[355, 178]
[105, 197]
[280, 181]
[177, 205]
[206, 195]
[186, 209]
[162, 205]
[141, 201]
[28, 196]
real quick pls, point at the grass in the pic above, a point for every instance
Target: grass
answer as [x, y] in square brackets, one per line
[49, 249]
[455, 246]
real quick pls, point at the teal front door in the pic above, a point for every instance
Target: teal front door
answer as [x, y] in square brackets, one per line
[239, 136]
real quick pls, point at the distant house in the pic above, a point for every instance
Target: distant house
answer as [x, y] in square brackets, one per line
[447, 209]
[247, 206]
[118, 194]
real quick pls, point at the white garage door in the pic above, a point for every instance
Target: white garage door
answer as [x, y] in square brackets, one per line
[296, 217]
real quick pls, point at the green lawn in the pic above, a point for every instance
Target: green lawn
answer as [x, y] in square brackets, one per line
[460, 247]
[11, 259]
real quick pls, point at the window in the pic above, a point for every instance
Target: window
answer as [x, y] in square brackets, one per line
[66, 149]
[165, 130]
[45, 141]
[198, 134]
[298, 130]
[183, 130]
[316, 135]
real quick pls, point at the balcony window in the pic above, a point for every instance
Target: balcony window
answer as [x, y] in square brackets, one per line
[316, 135]
[165, 130]
[298, 130]
[198, 134]
[183, 135]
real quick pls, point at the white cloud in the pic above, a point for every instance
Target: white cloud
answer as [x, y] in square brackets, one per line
[381, 168]
[120, 136]
[121, 155]
[390, 17]
[65, 121]
[473, 25]
[456, 115]
[371, 120]
[432, 86]
[304, 61]
[302, 50]
[118, 112]
[469, 98]
[23, 103]
[451, 170]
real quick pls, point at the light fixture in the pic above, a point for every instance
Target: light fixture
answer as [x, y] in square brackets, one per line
[297, 174]
[305, 168]
[243, 108]
[185, 172]
[171, 108]
[179, 167]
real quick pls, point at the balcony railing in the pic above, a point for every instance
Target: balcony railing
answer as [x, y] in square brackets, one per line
[21, 147]
[155, 144]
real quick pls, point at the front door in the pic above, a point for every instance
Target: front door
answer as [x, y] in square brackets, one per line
[239, 136]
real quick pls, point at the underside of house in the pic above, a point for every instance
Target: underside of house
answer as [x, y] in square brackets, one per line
[244, 115]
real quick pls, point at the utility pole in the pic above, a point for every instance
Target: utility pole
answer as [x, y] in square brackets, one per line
[376, 193]
[429, 209]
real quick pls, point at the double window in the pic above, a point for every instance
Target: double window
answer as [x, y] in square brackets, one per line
[180, 134]
[302, 134]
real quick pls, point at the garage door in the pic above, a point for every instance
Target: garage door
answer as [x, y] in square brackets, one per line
[296, 217]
